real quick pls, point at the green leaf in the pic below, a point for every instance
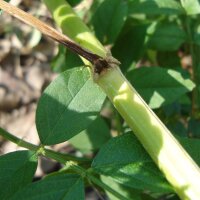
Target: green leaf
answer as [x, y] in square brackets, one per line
[73, 2]
[93, 137]
[192, 146]
[169, 59]
[59, 187]
[159, 86]
[64, 60]
[172, 110]
[194, 127]
[129, 46]
[176, 127]
[196, 33]
[108, 20]
[165, 37]
[127, 192]
[124, 159]
[155, 7]
[16, 171]
[148, 197]
[185, 100]
[191, 7]
[68, 106]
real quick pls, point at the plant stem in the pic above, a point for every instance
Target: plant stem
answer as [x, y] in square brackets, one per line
[92, 178]
[93, 58]
[105, 187]
[72, 26]
[179, 169]
[18, 141]
[61, 158]
[47, 152]
[99, 63]
[49, 31]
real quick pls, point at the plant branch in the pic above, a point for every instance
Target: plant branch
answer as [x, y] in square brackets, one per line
[61, 158]
[46, 152]
[99, 63]
[96, 181]
[49, 31]
[18, 141]
[105, 187]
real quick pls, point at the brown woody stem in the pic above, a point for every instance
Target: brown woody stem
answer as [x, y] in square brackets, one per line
[50, 32]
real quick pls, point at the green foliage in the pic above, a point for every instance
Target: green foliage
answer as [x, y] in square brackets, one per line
[93, 137]
[192, 147]
[108, 19]
[16, 171]
[165, 36]
[168, 58]
[124, 159]
[140, 33]
[127, 192]
[64, 60]
[75, 102]
[74, 2]
[155, 7]
[130, 51]
[194, 128]
[60, 186]
[191, 6]
[161, 86]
